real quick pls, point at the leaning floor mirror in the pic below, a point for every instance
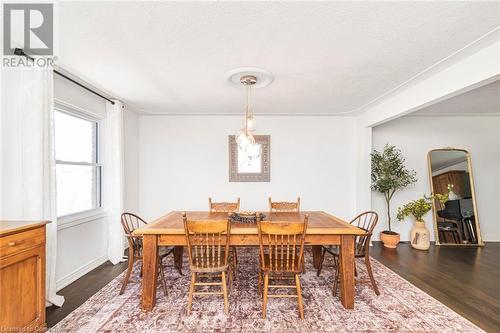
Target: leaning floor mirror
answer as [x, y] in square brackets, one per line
[454, 205]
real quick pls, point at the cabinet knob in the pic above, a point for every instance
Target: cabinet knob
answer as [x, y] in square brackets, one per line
[12, 243]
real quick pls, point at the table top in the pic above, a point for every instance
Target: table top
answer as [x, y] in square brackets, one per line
[8, 227]
[319, 223]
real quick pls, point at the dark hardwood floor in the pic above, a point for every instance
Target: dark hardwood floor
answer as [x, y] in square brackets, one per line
[465, 279]
[82, 289]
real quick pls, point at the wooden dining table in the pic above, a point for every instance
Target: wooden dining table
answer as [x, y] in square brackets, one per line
[322, 229]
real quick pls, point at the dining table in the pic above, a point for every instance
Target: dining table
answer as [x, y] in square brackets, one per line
[322, 229]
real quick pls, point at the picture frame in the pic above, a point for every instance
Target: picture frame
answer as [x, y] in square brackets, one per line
[243, 169]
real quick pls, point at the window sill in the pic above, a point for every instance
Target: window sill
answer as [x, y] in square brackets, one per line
[72, 220]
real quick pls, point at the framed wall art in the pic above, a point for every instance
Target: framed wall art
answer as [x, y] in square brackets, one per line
[243, 168]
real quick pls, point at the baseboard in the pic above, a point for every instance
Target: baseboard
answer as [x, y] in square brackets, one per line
[78, 273]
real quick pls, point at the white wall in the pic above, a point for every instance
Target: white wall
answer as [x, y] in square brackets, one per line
[416, 135]
[184, 159]
[131, 157]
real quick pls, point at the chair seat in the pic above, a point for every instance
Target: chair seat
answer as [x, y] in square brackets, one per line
[335, 250]
[267, 264]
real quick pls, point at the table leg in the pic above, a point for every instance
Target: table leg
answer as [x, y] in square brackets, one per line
[347, 271]
[316, 250]
[149, 271]
[178, 253]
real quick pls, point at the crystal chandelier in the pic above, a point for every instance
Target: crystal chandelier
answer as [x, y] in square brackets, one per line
[245, 138]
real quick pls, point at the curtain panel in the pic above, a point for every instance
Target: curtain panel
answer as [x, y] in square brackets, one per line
[28, 183]
[113, 179]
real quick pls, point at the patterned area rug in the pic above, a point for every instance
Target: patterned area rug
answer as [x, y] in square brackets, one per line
[401, 307]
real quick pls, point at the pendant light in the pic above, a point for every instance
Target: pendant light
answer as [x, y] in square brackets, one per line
[245, 138]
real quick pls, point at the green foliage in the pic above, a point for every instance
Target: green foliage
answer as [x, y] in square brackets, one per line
[389, 174]
[417, 208]
[442, 198]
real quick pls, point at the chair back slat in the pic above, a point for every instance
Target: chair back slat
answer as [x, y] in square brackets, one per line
[281, 245]
[207, 242]
[130, 222]
[366, 221]
[284, 206]
[223, 207]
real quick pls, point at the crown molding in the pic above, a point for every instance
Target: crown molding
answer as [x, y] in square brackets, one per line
[144, 113]
[464, 114]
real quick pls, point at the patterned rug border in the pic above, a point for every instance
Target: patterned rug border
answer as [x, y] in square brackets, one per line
[134, 288]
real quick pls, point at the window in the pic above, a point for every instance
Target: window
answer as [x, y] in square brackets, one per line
[78, 171]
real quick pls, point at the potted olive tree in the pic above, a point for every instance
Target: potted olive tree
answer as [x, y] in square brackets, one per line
[389, 174]
[420, 235]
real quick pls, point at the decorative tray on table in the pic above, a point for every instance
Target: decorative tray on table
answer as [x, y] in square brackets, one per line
[245, 217]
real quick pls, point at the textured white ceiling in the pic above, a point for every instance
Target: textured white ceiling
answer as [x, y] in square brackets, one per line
[326, 57]
[484, 100]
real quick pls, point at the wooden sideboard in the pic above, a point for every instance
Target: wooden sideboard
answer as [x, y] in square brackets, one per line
[22, 275]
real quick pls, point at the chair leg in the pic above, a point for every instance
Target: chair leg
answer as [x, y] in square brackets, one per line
[370, 273]
[260, 282]
[191, 292]
[264, 301]
[299, 296]
[355, 269]
[320, 266]
[336, 276]
[127, 275]
[231, 276]
[224, 289]
[235, 261]
[129, 270]
[162, 276]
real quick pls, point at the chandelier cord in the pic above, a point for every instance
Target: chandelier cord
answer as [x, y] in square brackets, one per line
[247, 111]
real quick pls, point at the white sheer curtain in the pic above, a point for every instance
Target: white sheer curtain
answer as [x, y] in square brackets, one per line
[113, 178]
[28, 157]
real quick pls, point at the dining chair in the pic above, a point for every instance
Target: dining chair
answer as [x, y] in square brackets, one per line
[281, 258]
[226, 207]
[130, 222]
[366, 221]
[208, 252]
[284, 206]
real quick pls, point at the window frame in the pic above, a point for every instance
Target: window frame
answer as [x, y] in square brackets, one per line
[96, 212]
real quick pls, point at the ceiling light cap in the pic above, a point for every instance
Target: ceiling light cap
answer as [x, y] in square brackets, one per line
[257, 77]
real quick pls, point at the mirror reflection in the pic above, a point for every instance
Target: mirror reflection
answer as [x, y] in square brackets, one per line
[454, 200]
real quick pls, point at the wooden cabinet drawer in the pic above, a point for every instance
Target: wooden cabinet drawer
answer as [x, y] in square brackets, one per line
[21, 241]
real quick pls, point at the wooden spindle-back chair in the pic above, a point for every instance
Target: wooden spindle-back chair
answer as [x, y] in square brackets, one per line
[281, 257]
[208, 251]
[366, 221]
[130, 222]
[224, 207]
[284, 206]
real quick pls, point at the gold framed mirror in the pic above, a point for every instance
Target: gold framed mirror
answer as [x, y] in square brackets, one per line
[454, 206]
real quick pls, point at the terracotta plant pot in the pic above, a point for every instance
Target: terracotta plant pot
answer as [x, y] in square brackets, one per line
[420, 236]
[390, 239]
